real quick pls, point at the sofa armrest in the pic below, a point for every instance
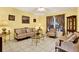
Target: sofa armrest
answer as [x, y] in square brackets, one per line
[15, 34]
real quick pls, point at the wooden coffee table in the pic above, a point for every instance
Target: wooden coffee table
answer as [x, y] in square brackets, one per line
[61, 39]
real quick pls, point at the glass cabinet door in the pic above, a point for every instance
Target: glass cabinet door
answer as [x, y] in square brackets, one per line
[71, 24]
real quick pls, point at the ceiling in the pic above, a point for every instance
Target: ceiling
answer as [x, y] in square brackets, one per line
[48, 9]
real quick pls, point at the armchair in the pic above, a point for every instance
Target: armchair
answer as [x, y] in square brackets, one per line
[51, 32]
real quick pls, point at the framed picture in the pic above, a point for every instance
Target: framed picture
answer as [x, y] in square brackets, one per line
[34, 20]
[11, 17]
[25, 19]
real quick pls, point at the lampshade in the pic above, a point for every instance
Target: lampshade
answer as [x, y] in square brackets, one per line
[37, 26]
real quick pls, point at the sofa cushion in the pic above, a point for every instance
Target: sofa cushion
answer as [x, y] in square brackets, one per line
[69, 35]
[23, 30]
[59, 34]
[76, 33]
[24, 34]
[29, 30]
[53, 30]
[30, 34]
[26, 29]
[72, 38]
[18, 31]
[20, 36]
[51, 34]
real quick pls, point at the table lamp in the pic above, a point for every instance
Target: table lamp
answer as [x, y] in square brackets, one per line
[3, 24]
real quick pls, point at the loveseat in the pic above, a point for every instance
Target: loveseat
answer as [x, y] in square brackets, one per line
[22, 33]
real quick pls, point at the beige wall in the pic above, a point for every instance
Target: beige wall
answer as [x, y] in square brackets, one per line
[41, 20]
[67, 13]
[4, 12]
[78, 19]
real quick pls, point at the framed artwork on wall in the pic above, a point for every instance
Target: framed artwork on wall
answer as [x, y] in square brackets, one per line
[11, 17]
[25, 19]
[34, 20]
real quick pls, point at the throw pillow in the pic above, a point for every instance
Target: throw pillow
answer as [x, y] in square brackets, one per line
[28, 30]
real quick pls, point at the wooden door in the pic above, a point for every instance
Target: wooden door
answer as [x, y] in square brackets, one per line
[71, 24]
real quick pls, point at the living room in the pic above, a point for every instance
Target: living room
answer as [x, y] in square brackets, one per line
[14, 18]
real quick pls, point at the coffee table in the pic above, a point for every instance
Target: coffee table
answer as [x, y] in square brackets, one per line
[37, 37]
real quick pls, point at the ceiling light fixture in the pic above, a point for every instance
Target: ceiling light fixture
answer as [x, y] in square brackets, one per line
[41, 9]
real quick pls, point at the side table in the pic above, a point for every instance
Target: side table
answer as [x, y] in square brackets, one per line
[4, 35]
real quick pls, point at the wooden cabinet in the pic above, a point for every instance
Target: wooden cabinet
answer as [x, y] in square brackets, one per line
[71, 24]
[0, 44]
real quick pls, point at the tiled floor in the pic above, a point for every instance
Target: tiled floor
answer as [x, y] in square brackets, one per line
[46, 45]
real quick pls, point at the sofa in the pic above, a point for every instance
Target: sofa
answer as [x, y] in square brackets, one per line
[22, 33]
[68, 43]
[69, 37]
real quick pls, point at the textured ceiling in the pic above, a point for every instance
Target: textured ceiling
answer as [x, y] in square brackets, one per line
[48, 9]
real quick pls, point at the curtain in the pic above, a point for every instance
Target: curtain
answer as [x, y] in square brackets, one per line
[61, 22]
[49, 22]
[60, 19]
[55, 22]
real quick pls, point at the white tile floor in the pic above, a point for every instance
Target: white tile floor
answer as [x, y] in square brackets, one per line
[46, 45]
